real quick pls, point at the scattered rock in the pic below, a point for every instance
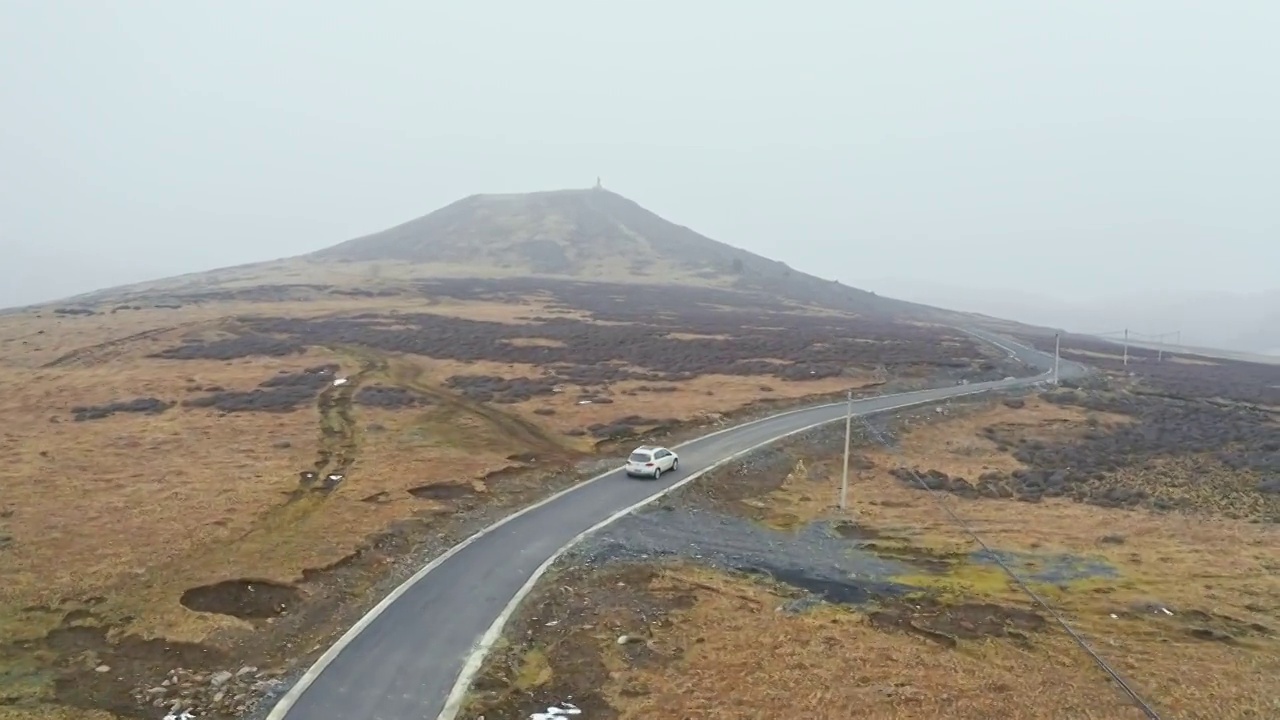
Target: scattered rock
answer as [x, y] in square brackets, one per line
[218, 694]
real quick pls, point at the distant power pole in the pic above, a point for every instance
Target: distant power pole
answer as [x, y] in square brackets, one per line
[1126, 347]
[1057, 346]
[1162, 341]
[848, 430]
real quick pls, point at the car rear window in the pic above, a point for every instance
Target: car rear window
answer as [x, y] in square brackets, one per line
[640, 457]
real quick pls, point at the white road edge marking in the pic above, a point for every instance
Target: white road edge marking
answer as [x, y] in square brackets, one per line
[287, 701]
[997, 343]
[469, 670]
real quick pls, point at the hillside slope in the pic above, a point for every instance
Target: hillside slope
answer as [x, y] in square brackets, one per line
[592, 235]
[217, 470]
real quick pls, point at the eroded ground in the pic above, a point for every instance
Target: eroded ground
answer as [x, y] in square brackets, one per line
[1149, 524]
[201, 493]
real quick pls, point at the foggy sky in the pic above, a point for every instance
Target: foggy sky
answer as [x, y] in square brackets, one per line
[1070, 149]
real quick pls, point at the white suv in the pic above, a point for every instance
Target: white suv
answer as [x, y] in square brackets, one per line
[651, 461]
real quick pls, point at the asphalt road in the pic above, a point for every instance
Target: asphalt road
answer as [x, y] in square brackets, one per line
[403, 664]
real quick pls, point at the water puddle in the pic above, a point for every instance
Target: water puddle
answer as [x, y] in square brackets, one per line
[1045, 568]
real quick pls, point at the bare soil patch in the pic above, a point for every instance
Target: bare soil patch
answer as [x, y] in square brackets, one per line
[242, 598]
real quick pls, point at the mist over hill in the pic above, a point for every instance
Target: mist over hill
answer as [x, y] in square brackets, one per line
[1245, 322]
[590, 234]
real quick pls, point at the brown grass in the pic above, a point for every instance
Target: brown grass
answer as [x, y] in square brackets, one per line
[739, 658]
[720, 646]
[32, 338]
[1225, 568]
[703, 396]
[696, 398]
[136, 509]
[86, 494]
[105, 502]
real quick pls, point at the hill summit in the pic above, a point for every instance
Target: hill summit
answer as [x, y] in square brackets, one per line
[563, 232]
[590, 234]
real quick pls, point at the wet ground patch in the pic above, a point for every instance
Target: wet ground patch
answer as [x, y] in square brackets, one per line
[816, 587]
[811, 555]
[1053, 569]
[929, 560]
[244, 599]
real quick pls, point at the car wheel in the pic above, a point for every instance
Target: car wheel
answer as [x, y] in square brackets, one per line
[675, 464]
[657, 473]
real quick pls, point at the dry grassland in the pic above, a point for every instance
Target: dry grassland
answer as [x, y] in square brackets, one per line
[1190, 615]
[195, 525]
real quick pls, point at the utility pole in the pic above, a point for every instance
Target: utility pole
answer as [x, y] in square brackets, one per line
[848, 430]
[1126, 347]
[1057, 346]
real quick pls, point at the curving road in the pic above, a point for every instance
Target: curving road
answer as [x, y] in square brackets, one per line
[404, 659]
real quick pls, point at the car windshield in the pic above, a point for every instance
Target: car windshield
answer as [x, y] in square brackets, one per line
[640, 457]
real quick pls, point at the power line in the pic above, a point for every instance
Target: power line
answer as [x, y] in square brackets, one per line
[1127, 336]
[1142, 705]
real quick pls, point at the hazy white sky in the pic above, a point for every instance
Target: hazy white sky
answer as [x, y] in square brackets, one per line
[1070, 148]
